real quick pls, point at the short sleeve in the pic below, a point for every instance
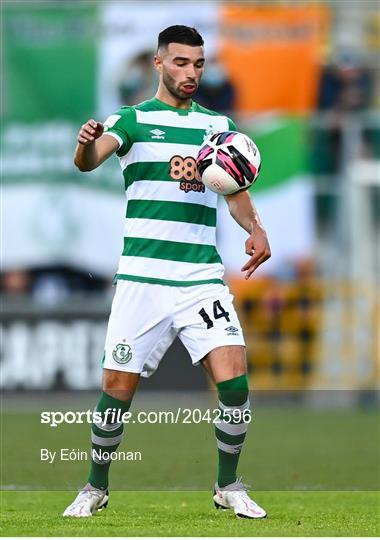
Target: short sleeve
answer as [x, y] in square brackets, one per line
[231, 125]
[121, 126]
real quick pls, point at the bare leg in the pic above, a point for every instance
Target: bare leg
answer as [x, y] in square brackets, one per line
[224, 363]
[120, 384]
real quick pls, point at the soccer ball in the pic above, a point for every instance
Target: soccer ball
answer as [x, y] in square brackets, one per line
[228, 162]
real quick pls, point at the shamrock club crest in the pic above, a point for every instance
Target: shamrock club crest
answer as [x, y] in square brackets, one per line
[122, 353]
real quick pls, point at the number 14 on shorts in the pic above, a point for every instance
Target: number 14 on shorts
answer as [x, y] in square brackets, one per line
[218, 313]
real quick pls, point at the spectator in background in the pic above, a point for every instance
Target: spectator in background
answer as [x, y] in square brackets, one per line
[346, 85]
[138, 79]
[56, 284]
[216, 91]
[15, 282]
[50, 286]
[346, 88]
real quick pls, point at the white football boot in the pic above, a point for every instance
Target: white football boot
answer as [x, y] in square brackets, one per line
[235, 497]
[87, 503]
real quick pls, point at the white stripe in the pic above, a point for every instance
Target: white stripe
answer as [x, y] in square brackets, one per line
[161, 269]
[169, 191]
[106, 441]
[152, 151]
[115, 136]
[229, 448]
[232, 408]
[174, 231]
[232, 429]
[191, 120]
[106, 427]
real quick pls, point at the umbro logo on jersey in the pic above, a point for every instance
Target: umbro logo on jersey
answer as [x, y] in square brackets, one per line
[231, 331]
[157, 134]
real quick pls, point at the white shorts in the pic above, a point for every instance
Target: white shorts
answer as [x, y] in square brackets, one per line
[146, 318]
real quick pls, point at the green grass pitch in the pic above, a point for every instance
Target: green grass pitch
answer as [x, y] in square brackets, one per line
[316, 472]
[193, 514]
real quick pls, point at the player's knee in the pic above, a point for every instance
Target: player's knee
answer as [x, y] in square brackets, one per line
[119, 384]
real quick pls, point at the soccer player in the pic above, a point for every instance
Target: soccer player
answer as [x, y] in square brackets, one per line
[169, 280]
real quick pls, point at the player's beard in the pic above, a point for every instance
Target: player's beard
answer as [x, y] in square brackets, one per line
[174, 90]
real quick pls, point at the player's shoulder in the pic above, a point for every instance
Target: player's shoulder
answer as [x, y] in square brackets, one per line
[121, 118]
[148, 105]
[125, 111]
[200, 109]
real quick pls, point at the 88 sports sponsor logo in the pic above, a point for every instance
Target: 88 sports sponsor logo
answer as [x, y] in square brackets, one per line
[184, 170]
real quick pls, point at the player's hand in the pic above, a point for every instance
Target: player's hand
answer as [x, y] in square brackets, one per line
[258, 247]
[90, 131]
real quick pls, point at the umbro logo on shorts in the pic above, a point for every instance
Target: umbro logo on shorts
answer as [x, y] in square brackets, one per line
[232, 331]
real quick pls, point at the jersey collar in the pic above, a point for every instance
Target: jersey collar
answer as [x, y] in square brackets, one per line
[165, 106]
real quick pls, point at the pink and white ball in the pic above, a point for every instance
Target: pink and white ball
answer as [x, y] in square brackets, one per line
[228, 162]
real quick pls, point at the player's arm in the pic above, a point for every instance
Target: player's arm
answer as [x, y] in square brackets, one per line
[93, 146]
[243, 211]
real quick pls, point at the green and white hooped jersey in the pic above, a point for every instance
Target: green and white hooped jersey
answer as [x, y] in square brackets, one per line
[170, 226]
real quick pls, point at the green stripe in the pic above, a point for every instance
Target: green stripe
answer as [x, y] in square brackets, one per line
[170, 251]
[172, 211]
[227, 416]
[229, 439]
[147, 170]
[170, 282]
[177, 135]
[100, 449]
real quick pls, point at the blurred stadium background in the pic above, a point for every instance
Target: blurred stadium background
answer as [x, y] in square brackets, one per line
[300, 78]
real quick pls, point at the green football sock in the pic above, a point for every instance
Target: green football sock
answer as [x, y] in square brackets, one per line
[230, 431]
[106, 437]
